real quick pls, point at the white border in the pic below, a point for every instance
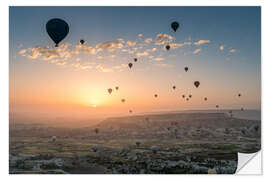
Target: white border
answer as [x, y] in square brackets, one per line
[4, 34]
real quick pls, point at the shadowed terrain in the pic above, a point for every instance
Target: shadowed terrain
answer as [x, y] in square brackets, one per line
[194, 143]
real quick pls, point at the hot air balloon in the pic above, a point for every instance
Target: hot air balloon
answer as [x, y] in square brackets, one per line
[174, 87]
[130, 111]
[190, 96]
[96, 130]
[156, 95]
[205, 98]
[186, 69]
[123, 100]
[94, 148]
[57, 29]
[168, 47]
[110, 90]
[53, 138]
[154, 149]
[116, 87]
[135, 59]
[187, 99]
[217, 106]
[174, 25]
[130, 65]
[196, 83]
[183, 96]
[239, 95]
[138, 143]
[82, 41]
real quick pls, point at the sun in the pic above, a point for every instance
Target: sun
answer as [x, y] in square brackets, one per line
[94, 105]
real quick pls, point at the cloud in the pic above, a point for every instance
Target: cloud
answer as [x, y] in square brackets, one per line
[221, 47]
[120, 67]
[176, 45]
[111, 45]
[23, 52]
[200, 42]
[148, 40]
[89, 49]
[187, 43]
[163, 38]
[163, 65]
[159, 59]
[131, 43]
[153, 49]
[81, 66]
[145, 53]
[196, 51]
[233, 50]
[61, 63]
[102, 68]
[48, 53]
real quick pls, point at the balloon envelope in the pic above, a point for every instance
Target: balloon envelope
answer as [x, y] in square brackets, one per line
[130, 65]
[82, 41]
[174, 25]
[57, 29]
[196, 83]
[110, 90]
[168, 47]
[186, 69]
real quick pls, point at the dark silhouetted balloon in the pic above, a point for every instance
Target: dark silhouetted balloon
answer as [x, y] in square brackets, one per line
[116, 87]
[217, 106]
[168, 47]
[156, 95]
[187, 99]
[135, 59]
[130, 111]
[190, 96]
[94, 148]
[138, 143]
[205, 98]
[123, 100]
[174, 87]
[110, 90]
[82, 41]
[183, 96]
[196, 83]
[57, 29]
[186, 69]
[175, 26]
[96, 130]
[239, 95]
[130, 65]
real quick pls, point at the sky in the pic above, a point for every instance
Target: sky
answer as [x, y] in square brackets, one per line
[220, 45]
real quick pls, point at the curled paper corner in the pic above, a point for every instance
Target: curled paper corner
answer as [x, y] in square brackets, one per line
[249, 163]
